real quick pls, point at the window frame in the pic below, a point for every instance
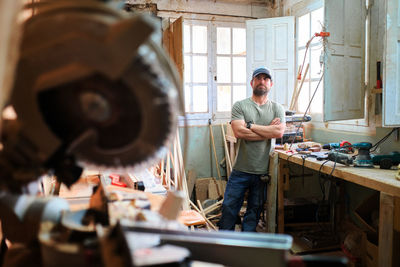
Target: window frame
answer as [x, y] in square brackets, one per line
[199, 116]
[223, 115]
[308, 81]
[212, 113]
[364, 125]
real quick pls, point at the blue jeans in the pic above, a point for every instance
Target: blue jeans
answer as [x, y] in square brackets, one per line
[237, 185]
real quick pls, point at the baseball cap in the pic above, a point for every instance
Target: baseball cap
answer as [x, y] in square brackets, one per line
[262, 70]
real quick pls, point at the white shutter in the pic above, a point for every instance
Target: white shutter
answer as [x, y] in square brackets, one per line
[391, 82]
[344, 87]
[270, 43]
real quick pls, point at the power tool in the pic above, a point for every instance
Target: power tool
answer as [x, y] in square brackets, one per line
[343, 146]
[340, 158]
[363, 159]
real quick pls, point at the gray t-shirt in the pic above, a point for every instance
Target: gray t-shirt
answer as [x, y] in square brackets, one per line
[253, 156]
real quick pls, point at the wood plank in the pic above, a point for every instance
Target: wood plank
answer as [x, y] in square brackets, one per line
[386, 211]
[294, 101]
[272, 189]
[396, 229]
[205, 218]
[228, 158]
[281, 204]
[202, 188]
[202, 213]
[185, 204]
[191, 180]
[177, 36]
[213, 190]
[215, 152]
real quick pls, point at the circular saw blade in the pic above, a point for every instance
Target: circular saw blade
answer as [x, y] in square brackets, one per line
[93, 96]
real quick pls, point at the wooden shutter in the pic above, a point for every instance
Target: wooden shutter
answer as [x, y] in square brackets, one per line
[344, 86]
[173, 43]
[391, 82]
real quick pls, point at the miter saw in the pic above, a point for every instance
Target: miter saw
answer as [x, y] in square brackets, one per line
[91, 90]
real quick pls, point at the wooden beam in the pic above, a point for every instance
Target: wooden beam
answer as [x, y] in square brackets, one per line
[215, 152]
[181, 165]
[228, 158]
[281, 205]
[272, 191]
[386, 211]
[396, 230]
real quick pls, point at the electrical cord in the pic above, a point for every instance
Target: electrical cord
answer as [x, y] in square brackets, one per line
[308, 107]
[288, 163]
[374, 147]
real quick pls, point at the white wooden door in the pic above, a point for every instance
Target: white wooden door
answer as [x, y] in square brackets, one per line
[344, 86]
[270, 43]
[391, 82]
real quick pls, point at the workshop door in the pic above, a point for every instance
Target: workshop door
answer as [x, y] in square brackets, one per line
[344, 82]
[270, 43]
[391, 83]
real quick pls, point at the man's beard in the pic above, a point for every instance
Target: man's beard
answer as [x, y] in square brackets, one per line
[260, 90]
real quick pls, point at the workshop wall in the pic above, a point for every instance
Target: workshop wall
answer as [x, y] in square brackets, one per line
[240, 8]
[200, 155]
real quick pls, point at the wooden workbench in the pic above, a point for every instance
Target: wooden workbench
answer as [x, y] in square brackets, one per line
[377, 179]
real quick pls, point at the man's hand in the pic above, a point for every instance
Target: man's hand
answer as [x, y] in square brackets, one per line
[275, 121]
[240, 131]
[274, 130]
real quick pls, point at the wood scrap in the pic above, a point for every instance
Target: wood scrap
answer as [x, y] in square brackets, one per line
[199, 211]
[215, 152]
[213, 207]
[172, 205]
[298, 79]
[201, 188]
[213, 190]
[228, 159]
[202, 213]
[294, 101]
[191, 180]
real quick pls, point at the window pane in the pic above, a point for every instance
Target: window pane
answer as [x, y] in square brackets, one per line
[223, 69]
[317, 20]
[223, 40]
[200, 69]
[200, 99]
[239, 93]
[187, 98]
[186, 36]
[199, 39]
[239, 70]
[239, 41]
[304, 97]
[224, 98]
[317, 103]
[187, 70]
[315, 64]
[304, 29]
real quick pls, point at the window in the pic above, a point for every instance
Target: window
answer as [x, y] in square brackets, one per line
[307, 25]
[196, 68]
[214, 71]
[231, 67]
